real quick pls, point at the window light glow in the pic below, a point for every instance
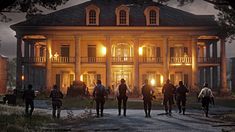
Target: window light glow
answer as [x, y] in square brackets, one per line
[153, 82]
[81, 78]
[161, 79]
[103, 50]
[140, 50]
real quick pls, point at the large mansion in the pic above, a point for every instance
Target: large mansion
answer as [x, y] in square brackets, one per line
[114, 39]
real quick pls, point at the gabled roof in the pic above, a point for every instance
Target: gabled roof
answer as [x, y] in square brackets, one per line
[75, 15]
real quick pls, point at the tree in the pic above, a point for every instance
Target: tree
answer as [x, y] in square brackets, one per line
[27, 6]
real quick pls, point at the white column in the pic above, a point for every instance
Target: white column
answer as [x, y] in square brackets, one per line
[223, 77]
[136, 65]
[208, 70]
[77, 58]
[19, 63]
[108, 62]
[48, 63]
[166, 59]
[194, 65]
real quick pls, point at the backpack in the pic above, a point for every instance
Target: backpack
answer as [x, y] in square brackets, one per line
[122, 90]
[100, 91]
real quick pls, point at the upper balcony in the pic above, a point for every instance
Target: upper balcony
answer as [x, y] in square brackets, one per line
[208, 61]
[181, 60]
[42, 60]
[122, 60]
[151, 60]
[62, 60]
[91, 60]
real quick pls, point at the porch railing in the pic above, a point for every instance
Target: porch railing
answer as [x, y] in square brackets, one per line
[206, 60]
[33, 59]
[93, 59]
[150, 60]
[122, 59]
[63, 59]
[181, 60]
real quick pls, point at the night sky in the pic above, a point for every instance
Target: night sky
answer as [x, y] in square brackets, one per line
[8, 41]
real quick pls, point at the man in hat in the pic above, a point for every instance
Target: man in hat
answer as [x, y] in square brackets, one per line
[168, 92]
[147, 93]
[29, 96]
[56, 96]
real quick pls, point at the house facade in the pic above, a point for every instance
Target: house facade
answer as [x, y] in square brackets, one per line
[114, 39]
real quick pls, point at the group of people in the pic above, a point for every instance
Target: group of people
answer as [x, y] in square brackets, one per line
[55, 94]
[169, 91]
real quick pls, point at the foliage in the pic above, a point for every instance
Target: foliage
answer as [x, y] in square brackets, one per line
[27, 6]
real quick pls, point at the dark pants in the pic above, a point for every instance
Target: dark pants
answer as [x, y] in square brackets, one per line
[167, 102]
[99, 105]
[181, 102]
[147, 107]
[56, 105]
[205, 105]
[27, 104]
[120, 101]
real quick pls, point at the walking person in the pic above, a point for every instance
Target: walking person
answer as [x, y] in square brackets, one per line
[122, 96]
[168, 91]
[99, 94]
[206, 97]
[181, 91]
[147, 93]
[28, 97]
[56, 96]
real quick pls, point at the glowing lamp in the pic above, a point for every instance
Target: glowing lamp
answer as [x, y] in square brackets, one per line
[161, 79]
[140, 50]
[22, 77]
[153, 82]
[103, 50]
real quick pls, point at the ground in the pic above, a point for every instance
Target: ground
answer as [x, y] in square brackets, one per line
[80, 119]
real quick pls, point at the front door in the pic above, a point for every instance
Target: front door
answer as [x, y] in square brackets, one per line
[126, 75]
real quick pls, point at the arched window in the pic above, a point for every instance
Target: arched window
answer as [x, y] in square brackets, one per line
[152, 17]
[92, 17]
[122, 17]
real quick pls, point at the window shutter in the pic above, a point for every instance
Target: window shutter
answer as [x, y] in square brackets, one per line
[158, 80]
[71, 76]
[172, 78]
[171, 51]
[186, 79]
[98, 76]
[158, 52]
[186, 50]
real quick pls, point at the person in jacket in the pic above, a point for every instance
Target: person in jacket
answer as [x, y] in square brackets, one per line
[28, 97]
[181, 91]
[99, 94]
[56, 95]
[206, 97]
[122, 96]
[168, 92]
[147, 93]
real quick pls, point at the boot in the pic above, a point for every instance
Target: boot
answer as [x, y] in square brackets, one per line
[149, 111]
[124, 112]
[183, 111]
[146, 114]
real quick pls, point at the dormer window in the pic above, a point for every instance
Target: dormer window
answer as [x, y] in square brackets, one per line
[92, 15]
[122, 15]
[152, 15]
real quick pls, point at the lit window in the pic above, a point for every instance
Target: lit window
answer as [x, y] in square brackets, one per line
[122, 17]
[153, 17]
[92, 17]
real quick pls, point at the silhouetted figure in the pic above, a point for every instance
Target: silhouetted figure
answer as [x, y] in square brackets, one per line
[99, 94]
[122, 96]
[56, 96]
[28, 97]
[168, 91]
[206, 97]
[147, 93]
[181, 97]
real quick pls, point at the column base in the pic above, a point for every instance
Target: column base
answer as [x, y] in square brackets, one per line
[224, 92]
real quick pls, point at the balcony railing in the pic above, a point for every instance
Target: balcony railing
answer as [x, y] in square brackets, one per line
[205, 60]
[150, 60]
[181, 60]
[122, 59]
[93, 59]
[63, 59]
[34, 59]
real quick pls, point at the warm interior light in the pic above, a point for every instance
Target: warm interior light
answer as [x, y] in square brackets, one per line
[22, 77]
[81, 78]
[153, 82]
[56, 55]
[140, 50]
[104, 50]
[161, 79]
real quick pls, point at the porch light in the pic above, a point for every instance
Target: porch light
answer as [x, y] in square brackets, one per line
[161, 79]
[103, 50]
[140, 50]
[22, 77]
[153, 82]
